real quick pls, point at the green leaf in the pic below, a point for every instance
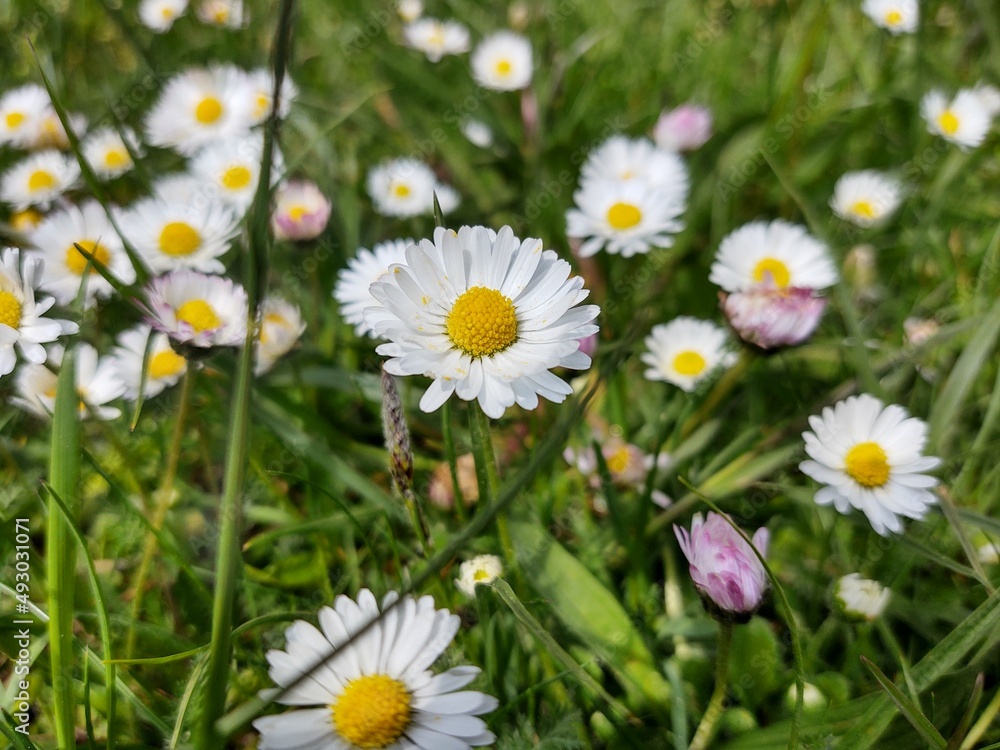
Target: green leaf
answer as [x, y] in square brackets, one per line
[910, 711]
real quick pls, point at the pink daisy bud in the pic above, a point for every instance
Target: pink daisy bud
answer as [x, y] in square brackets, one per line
[301, 212]
[729, 577]
[683, 129]
[769, 317]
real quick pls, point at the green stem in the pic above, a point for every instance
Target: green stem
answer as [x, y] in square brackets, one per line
[486, 472]
[716, 704]
[452, 458]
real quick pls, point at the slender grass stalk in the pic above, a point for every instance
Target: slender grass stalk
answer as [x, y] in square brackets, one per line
[486, 472]
[710, 720]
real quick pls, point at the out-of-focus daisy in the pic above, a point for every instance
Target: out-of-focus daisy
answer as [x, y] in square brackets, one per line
[870, 457]
[301, 211]
[625, 159]
[25, 221]
[260, 89]
[376, 689]
[502, 62]
[770, 318]
[989, 97]
[367, 266]
[964, 120]
[182, 187]
[437, 38]
[165, 366]
[627, 464]
[860, 598]
[198, 309]
[897, 16]
[685, 128]
[481, 569]
[233, 170]
[281, 327]
[87, 226]
[107, 153]
[228, 14]
[169, 236]
[409, 10]
[623, 218]
[199, 107]
[21, 113]
[477, 132]
[686, 351]
[402, 187]
[159, 15]
[97, 384]
[866, 198]
[775, 254]
[22, 320]
[448, 198]
[39, 179]
[52, 134]
[485, 315]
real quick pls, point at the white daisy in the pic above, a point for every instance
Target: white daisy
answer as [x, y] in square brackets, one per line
[481, 569]
[402, 187]
[97, 384]
[367, 266]
[25, 221]
[159, 15]
[625, 159]
[197, 309]
[477, 132]
[869, 456]
[182, 187]
[776, 254]
[260, 89]
[686, 351]
[199, 107]
[107, 153]
[448, 198]
[169, 236]
[485, 315]
[898, 16]
[52, 134]
[281, 327]
[866, 198]
[164, 367]
[624, 218]
[21, 113]
[233, 170]
[56, 238]
[301, 211]
[861, 598]
[627, 464]
[502, 62]
[409, 10]
[965, 120]
[39, 179]
[375, 691]
[21, 315]
[228, 14]
[437, 38]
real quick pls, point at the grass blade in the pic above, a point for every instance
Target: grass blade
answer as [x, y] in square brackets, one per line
[906, 707]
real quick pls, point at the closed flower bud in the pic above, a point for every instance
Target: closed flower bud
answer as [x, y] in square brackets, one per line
[685, 128]
[860, 598]
[480, 569]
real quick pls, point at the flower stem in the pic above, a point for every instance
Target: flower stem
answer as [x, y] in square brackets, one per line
[486, 472]
[716, 704]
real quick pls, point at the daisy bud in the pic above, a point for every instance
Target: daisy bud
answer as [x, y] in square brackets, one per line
[728, 575]
[480, 569]
[685, 128]
[861, 599]
[409, 10]
[301, 211]
[397, 436]
[770, 318]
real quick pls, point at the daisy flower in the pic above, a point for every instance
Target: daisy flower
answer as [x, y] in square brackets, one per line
[964, 120]
[199, 107]
[627, 464]
[989, 98]
[159, 15]
[22, 320]
[485, 315]
[21, 113]
[52, 134]
[39, 179]
[481, 569]
[870, 457]
[625, 159]
[233, 170]
[437, 38]
[375, 691]
[182, 187]
[409, 10]
[301, 211]
[260, 89]
[897, 16]
[367, 266]
[97, 384]
[281, 327]
[866, 198]
[197, 309]
[860, 598]
[402, 187]
[107, 153]
[56, 238]
[228, 14]
[776, 254]
[624, 218]
[770, 318]
[686, 128]
[164, 367]
[686, 351]
[25, 221]
[502, 62]
[169, 236]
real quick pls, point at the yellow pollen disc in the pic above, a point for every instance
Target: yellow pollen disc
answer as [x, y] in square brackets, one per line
[400, 190]
[77, 262]
[165, 364]
[14, 119]
[41, 180]
[948, 122]
[26, 220]
[198, 314]
[504, 67]
[262, 105]
[236, 178]
[270, 320]
[863, 208]
[10, 310]
[689, 363]
[116, 158]
[893, 17]
[867, 464]
[179, 238]
[480, 575]
[624, 216]
[168, 13]
[50, 392]
[208, 110]
[221, 15]
[482, 322]
[619, 460]
[372, 712]
[777, 270]
[296, 213]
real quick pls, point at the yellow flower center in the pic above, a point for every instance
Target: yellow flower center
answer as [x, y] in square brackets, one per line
[198, 314]
[372, 712]
[503, 67]
[77, 261]
[179, 238]
[208, 110]
[116, 158]
[619, 460]
[624, 216]
[168, 13]
[41, 179]
[482, 322]
[14, 119]
[296, 213]
[480, 575]
[948, 122]
[10, 310]
[236, 178]
[866, 464]
[270, 320]
[893, 17]
[400, 190]
[221, 15]
[775, 268]
[864, 209]
[24, 221]
[166, 363]
[689, 363]
[262, 105]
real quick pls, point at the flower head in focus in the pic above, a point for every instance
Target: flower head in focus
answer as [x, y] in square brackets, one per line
[196, 309]
[686, 351]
